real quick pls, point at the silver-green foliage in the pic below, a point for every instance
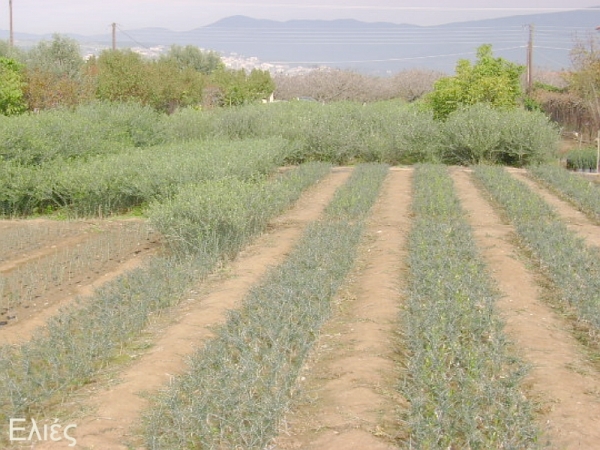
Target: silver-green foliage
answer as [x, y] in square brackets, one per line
[84, 338]
[583, 193]
[461, 381]
[340, 132]
[481, 134]
[240, 384]
[218, 216]
[391, 132]
[582, 159]
[92, 129]
[114, 183]
[573, 266]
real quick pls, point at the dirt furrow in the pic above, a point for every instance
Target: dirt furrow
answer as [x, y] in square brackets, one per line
[116, 410]
[350, 400]
[561, 379]
[23, 329]
[28, 315]
[576, 220]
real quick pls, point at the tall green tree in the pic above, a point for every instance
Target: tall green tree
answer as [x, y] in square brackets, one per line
[122, 75]
[54, 74]
[12, 99]
[239, 87]
[172, 87]
[490, 80]
[191, 57]
[61, 56]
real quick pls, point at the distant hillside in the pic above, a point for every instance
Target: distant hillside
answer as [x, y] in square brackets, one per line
[376, 47]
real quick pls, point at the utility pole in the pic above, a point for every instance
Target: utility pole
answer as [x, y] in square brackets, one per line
[530, 60]
[114, 36]
[10, 14]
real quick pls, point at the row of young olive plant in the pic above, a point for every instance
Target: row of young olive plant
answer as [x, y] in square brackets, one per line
[573, 267]
[390, 132]
[461, 381]
[341, 132]
[31, 281]
[216, 217]
[240, 384]
[16, 240]
[84, 338]
[86, 131]
[579, 191]
[109, 184]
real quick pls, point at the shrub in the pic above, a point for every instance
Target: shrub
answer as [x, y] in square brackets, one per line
[92, 129]
[109, 184]
[217, 216]
[584, 159]
[481, 134]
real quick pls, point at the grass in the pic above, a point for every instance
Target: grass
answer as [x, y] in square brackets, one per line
[461, 380]
[240, 384]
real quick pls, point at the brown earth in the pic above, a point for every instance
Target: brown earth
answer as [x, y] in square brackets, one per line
[350, 400]
[576, 221]
[562, 381]
[22, 317]
[116, 409]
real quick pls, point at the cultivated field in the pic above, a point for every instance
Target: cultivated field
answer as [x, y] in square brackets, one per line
[283, 276]
[365, 306]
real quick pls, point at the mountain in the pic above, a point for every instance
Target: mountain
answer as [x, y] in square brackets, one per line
[379, 47]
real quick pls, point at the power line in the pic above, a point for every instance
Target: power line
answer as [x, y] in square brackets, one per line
[412, 58]
[131, 37]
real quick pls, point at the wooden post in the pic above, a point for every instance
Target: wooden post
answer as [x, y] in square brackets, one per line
[530, 61]
[12, 34]
[598, 153]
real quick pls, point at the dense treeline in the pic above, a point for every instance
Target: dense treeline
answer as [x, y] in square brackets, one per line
[54, 74]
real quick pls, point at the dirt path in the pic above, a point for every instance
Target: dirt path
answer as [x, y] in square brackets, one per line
[117, 410]
[575, 219]
[349, 384]
[561, 379]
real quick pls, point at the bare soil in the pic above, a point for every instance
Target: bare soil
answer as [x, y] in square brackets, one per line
[350, 400]
[115, 410]
[562, 380]
[48, 243]
[576, 221]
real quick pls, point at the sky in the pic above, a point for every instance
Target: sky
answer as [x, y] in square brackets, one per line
[90, 17]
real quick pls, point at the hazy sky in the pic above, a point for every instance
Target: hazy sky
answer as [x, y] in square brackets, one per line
[95, 16]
